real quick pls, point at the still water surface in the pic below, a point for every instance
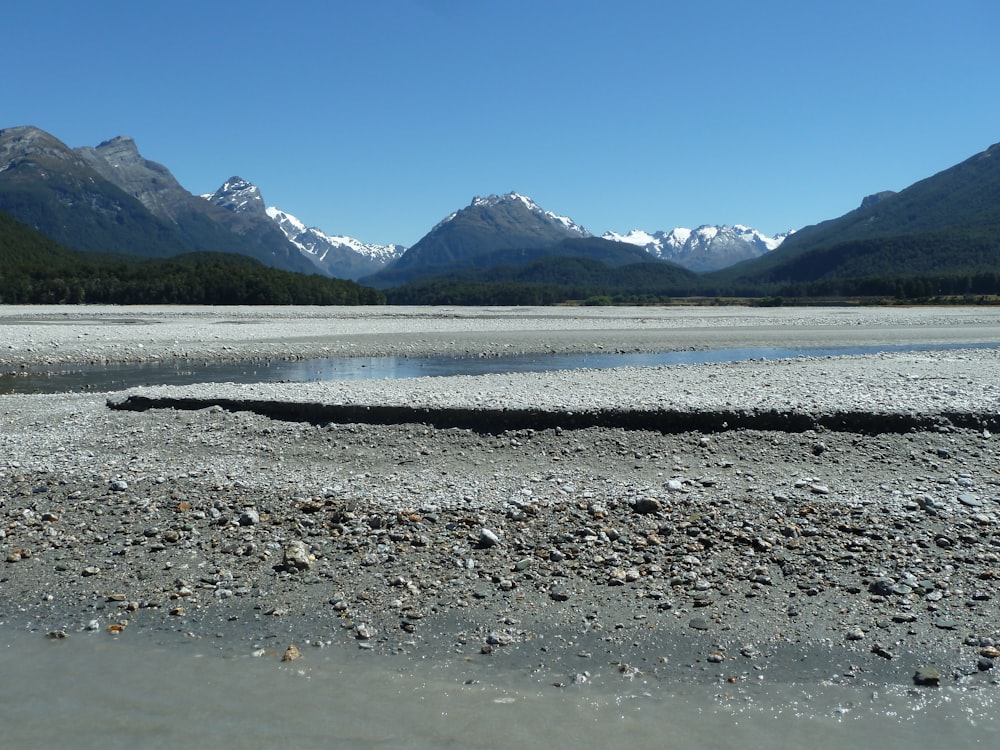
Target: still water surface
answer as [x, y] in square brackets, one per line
[96, 692]
[120, 377]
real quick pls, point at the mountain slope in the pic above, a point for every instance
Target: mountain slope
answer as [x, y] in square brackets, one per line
[574, 269]
[337, 255]
[239, 207]
[51, 188]
[949, 222]
[21, 247]
[111, 199]
[497, 222]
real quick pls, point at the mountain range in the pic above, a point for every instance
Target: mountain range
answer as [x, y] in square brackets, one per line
[110, 199]
[707, 248]
[74, 195]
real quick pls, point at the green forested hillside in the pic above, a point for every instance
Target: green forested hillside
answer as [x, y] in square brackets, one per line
[36, 270]
[548, 280]
[947, 224]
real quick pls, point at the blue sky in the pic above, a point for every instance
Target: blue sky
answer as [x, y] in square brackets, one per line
[376, 119]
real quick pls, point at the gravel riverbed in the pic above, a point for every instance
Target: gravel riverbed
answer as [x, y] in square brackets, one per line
[812, 519]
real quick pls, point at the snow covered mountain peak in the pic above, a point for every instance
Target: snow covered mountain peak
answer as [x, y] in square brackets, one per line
[492, 201]
[336, 255]
[707, 248]
[238, 195]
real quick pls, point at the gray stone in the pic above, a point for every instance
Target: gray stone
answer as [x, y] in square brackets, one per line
[970, 500]
[296, 555]
[927, 676]
[559, 593]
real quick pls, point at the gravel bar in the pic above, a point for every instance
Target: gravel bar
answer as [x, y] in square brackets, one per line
[885, 392]
[813, 519]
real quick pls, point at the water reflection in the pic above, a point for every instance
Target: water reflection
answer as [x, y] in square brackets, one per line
[121, 377]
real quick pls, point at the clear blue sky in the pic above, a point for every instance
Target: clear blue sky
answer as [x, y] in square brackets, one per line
[376, 119]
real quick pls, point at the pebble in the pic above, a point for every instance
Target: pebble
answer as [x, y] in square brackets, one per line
[927, 676]
[647, 505]
[296, 555]
[969, 500]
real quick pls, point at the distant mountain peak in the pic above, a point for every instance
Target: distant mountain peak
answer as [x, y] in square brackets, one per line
[517, 199]
[238, 195]
[511, 221]
[495, 200]
[875, 198]
[706, 248]
[336, 255]
[122, 142]
[27, 141]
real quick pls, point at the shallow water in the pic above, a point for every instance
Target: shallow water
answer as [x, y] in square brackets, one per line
[120, 377]
[93, 691]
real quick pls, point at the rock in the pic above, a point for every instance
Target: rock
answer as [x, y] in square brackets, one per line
[249, 517]
[488, 538]
[882, 651]
[969, 500]
[647, 505]
[292, 653]
[559, 593]
[881, 586]
[927, 676]
[296, 555]
[699, 623]
[481, 591]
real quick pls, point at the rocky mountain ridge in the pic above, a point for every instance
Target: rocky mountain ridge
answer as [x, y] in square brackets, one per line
[707, 248]
[337, 255]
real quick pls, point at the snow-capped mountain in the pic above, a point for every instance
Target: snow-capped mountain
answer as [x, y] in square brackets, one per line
[492, 201]
[472, 236]
[339, 257]
[336, 255]
[238, 195]
[707, 248]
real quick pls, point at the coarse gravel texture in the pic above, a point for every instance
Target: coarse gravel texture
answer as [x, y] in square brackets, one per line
[57, 336]
[832, 548]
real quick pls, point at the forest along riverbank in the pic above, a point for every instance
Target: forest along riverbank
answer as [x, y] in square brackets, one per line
[835, 550]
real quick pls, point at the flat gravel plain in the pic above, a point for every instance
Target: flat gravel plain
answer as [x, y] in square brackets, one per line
[829, 518]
